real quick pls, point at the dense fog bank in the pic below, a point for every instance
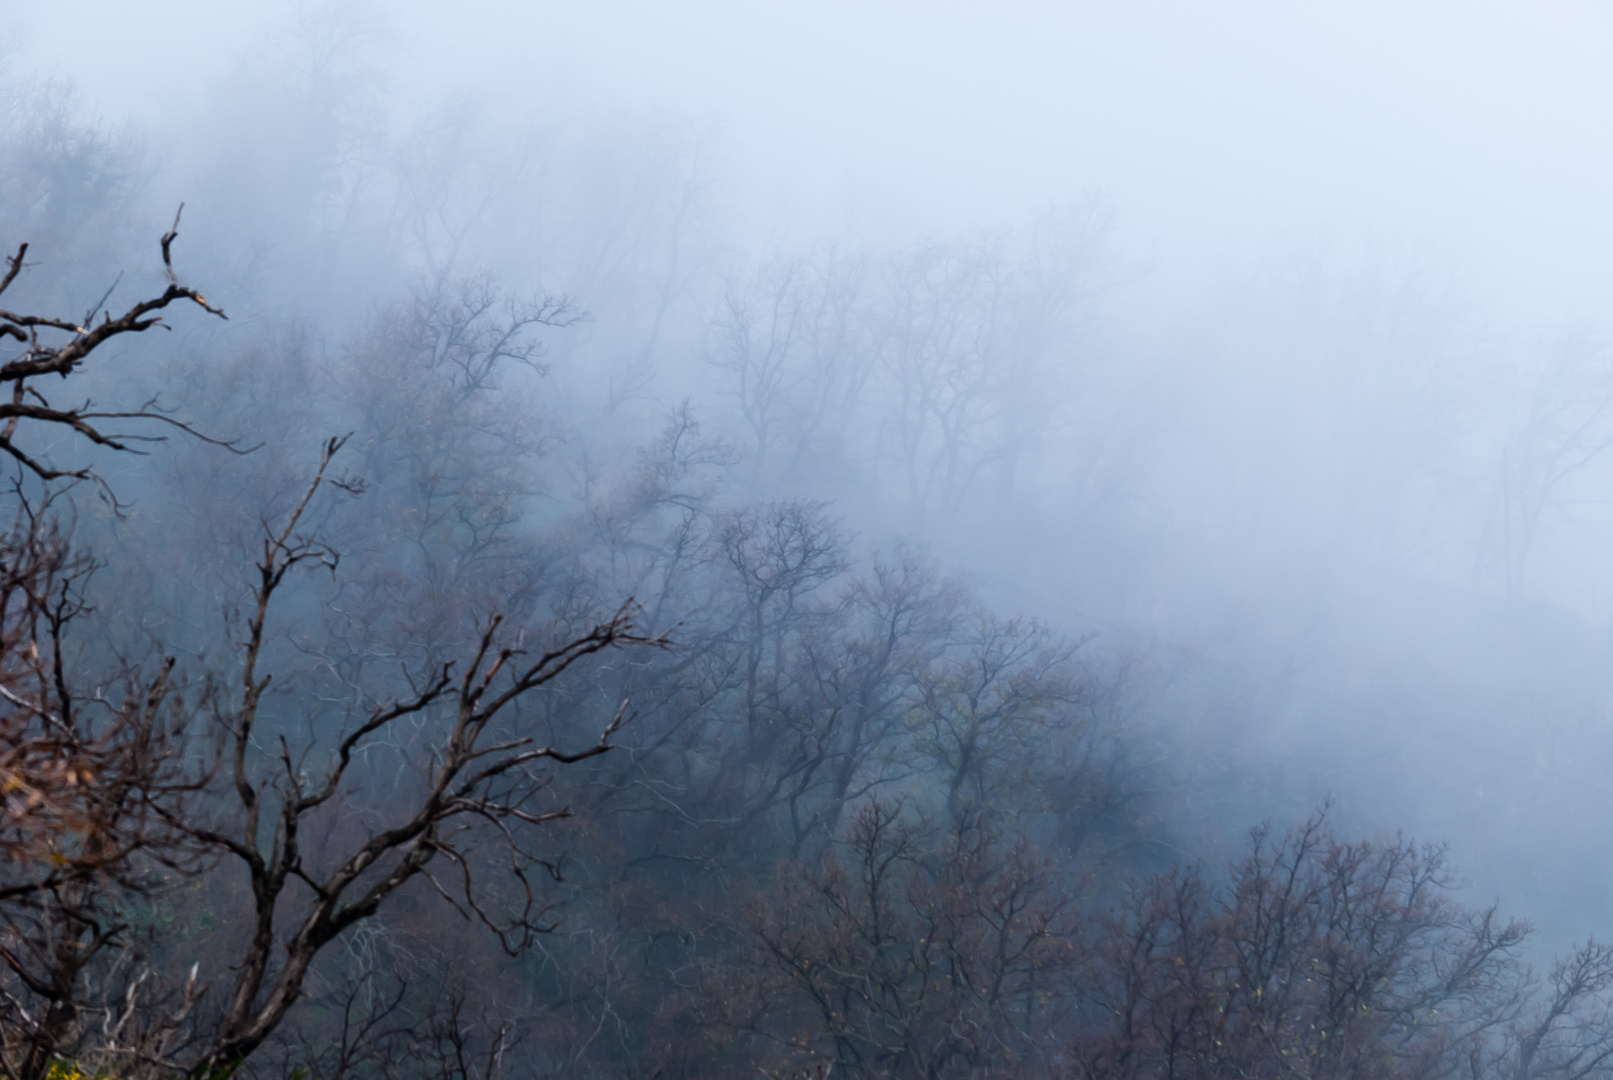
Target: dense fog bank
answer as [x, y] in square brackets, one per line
[1016, 522]
[1284, 468]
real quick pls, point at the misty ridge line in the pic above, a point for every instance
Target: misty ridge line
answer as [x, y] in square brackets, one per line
[1301, 532]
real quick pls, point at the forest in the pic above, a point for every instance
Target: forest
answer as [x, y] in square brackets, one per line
[480, 599]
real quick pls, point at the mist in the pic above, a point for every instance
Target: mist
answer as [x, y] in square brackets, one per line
[1244, 368]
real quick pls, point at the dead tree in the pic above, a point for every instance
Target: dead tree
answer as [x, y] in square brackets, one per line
[44, 352]
[51, 765]
[92, 762]
[122, 784]
[476, 773]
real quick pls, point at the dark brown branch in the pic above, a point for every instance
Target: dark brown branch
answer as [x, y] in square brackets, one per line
[39, 357]
[13, 267]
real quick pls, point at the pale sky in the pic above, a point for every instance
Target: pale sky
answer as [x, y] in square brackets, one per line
[1474, 132]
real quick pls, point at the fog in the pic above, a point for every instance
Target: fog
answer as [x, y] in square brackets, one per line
[1466, 135]
[1260, 349]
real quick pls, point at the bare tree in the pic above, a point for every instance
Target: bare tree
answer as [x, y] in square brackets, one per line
[912, 952]
[1316, 958]
[95, 759]
[109, 798]
[1569, 1035]
[1565, 427]
[43, 352]
[990, 704]
[793, 339]
[476, 773]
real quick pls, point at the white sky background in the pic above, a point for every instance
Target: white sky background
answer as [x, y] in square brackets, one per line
[1471, 133]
